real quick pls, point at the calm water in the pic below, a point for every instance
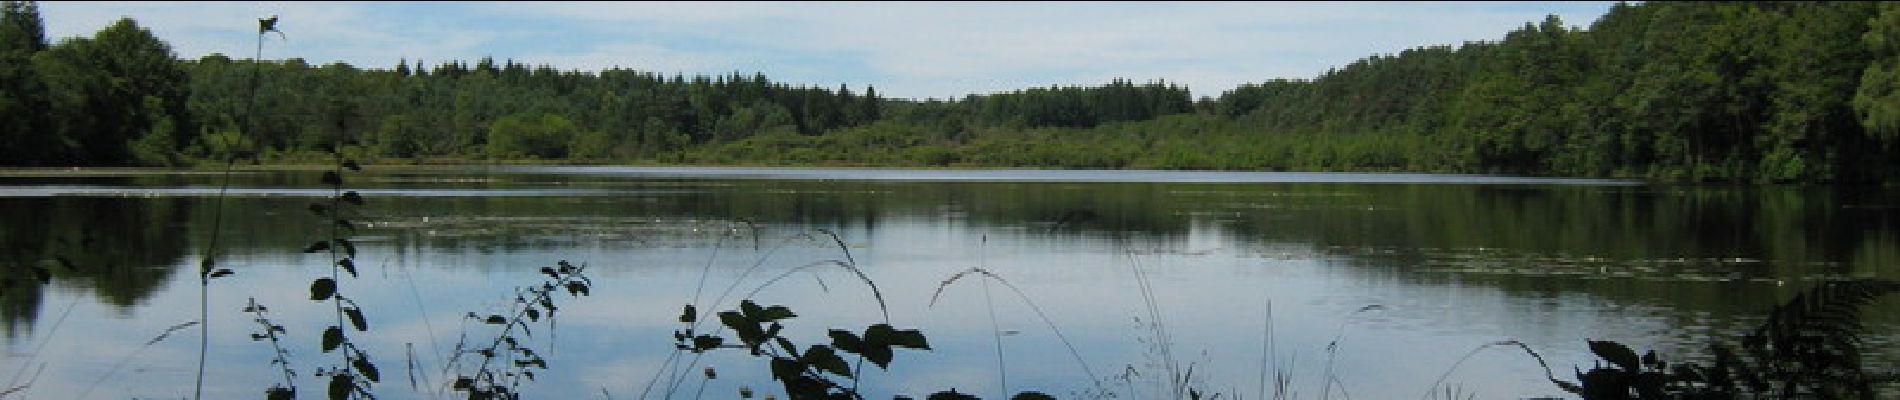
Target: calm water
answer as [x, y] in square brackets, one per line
[1250, 274]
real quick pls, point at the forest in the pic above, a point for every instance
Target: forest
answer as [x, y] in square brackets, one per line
[1670, 91]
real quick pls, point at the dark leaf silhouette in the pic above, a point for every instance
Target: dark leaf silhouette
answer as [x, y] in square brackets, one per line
[356, 320]
[366, 368]
[1616, 354]
[332, 338]
[322, 288]
[340, 386]
[826, 360]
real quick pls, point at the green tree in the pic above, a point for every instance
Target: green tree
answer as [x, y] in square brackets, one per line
[530, 135]
[113, 89]
[1877, 99]
[23, 102]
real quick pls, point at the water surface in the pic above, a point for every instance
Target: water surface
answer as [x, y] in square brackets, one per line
[1379, 283]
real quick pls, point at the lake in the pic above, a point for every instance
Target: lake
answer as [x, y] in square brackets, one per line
[1367, 286]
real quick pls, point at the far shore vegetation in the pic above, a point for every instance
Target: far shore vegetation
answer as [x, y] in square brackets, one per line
[1679, 91]
[1712, 91]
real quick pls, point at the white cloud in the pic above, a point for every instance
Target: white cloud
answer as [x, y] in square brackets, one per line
[648, 57]
[918, 47]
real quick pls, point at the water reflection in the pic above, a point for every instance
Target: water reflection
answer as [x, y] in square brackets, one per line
[120, 250]
[1452, 264]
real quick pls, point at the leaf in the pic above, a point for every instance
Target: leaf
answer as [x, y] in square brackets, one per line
[340, 386]
[280, 393]
[1616, 353]
[367, 368]
[824, 359]
[880, 355]
[322, 289]
[707, 342]
[533, 314]
[847, 341]
[950, 395]
[495, 320]
[332, 337]
[751, 310]
[786, 344]
[317, 246]
[221, 272]
[549, 271]
[352, 197]
[576, 289]
[784, 370]
[348, 248]
[463, 383]
[878, 335]
[348, 266]
[775, 313]
[356, 319]
[909, 339]
[689, 315]
[747, 330]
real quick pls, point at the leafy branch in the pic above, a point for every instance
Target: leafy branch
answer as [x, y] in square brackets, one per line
[505, 361]
[279, 356]
[354, 377]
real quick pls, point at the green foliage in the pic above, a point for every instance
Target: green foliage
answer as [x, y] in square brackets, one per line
[504, 360]
[815, 371]
[1773, 92]
[23, 97]
[121, 85]
[530, 136]
[1808, 347]
[1877, 99]
[354, 375]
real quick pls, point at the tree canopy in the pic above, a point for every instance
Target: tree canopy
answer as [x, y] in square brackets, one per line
[1739, 91]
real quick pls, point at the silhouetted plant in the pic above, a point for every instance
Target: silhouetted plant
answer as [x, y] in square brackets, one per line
[814, 372]
[1808, 347]
[207, 265]
[280, 357]
[505, 361]
[810, 372]
[356, 373]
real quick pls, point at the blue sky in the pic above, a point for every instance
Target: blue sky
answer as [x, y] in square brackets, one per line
[905, 49]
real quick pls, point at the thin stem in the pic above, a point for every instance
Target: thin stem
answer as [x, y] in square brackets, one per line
[207, 261]
[996, 333]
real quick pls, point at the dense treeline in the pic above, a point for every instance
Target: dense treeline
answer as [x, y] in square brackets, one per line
[1756, 91]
